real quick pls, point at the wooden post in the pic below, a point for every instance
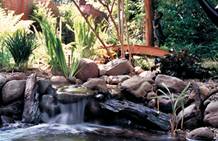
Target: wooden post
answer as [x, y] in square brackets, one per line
[148, 22]
[121, 25]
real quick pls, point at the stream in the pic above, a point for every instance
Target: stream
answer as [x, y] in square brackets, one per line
[76, 132]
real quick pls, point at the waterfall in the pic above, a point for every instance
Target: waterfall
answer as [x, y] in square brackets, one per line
[71, 113]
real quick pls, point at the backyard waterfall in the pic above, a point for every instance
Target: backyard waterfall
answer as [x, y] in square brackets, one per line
[71, 113]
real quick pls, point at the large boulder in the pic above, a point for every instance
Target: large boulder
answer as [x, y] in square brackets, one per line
[211, 114]
[203, 134]
[172, 83]
[13, 90]
[136, 88]
[117, 67]
[87, 69]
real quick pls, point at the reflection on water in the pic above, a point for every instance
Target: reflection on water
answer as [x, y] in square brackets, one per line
[72, 138]
[78, 132]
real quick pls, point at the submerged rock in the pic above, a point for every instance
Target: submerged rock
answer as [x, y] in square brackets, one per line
[13, 90]
[203, 134]
[87, 69]
[172, 83]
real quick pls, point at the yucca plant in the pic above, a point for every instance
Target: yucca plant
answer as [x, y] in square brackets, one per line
[178, 102]
[20, 44]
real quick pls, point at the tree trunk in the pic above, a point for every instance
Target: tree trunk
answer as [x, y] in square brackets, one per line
[148, 23]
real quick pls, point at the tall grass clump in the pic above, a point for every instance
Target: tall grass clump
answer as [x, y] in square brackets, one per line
[21, 45]
[54, 47]
[178, 102]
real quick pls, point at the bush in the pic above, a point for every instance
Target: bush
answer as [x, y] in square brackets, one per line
[183, 65]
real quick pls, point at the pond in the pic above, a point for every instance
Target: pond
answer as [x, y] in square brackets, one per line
[78, 132]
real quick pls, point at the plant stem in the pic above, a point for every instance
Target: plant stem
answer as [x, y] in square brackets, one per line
[93, 30]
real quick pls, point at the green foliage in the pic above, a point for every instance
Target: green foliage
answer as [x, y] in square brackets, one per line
[178, 102]
[184, 65]
[84, 37]
[186, 24]
[135, 15]
[9, 23]
[54, 47]
[20, 44]
[143, 62]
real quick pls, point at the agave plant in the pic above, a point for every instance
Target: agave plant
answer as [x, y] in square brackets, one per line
[178, 102]
[20, 44]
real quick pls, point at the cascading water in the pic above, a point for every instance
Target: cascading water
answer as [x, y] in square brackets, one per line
[71, 113]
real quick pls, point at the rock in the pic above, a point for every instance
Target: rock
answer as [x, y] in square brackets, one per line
[115, 80]
[204, 91]
[148, 75]
[31, 112]
[211, 114]
[136, 88]
[87, 69]
[13, 90]
[43, 86]
[3, 80]
[13, 110]
[117, 67]
[138, 70]
[174, 84]
[73, 94]
[165, 105]
[6, 120]
[151, 95]
[58, 80]
[96, 84]
[203, 134]
[93, 111]
[16, 76]
[190, 116]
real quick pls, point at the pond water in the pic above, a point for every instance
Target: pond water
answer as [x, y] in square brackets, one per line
[79, 132]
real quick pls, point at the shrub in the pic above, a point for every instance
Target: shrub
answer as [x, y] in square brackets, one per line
[184, 65]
